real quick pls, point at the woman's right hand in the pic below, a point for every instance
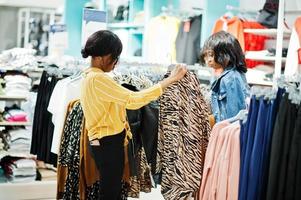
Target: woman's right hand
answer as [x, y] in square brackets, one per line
[177, 74]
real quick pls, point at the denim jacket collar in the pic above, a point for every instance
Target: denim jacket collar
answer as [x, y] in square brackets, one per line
[216, 83]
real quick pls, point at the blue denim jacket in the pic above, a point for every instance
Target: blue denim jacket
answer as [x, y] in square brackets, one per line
[229, 94]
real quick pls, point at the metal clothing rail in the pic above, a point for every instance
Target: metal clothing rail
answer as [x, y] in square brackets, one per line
[162, 65]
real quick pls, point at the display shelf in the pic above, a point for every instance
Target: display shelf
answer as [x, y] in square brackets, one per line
[292, 11]
[12, 98]
[16, 154]
[31, 190]
[253, 55]
[260, 83]
[5, 123]
[125, 25]
[35, 70]
[267, 32]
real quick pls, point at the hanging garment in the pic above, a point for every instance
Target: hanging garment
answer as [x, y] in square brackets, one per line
[183, 137]
[160, 39]
[281, 143]
[255, 167]
[233, 26]
[268, 133]
[42, 128]
[69, 152]
[293, 181]
[142, 181]
[298, 30]
[144, 127]
[77, 163]
[221, 169]
[89, 179]
[65, 91]
[292, 66]
[246, 147]
[142, 147]
[297, 190]
[188, 41]
[255, 140]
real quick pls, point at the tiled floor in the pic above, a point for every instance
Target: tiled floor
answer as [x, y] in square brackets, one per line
[154, 195]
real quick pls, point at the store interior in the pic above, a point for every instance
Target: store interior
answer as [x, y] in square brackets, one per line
[41, 63]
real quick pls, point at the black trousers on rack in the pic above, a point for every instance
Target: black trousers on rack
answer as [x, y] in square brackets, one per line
[281, 144]
[109, 158]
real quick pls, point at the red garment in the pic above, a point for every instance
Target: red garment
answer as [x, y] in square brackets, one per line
[298, 29]
[253, 42]
[17, 118]
[233, 26]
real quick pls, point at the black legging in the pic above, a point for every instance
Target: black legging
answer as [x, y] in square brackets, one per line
[109, 158]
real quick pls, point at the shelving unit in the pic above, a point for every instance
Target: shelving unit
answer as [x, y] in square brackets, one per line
[266, 32]
[280, 33]
[38, 189]
[5, 123]
[16, 154]
[252, 55]
[12, 98]
[131, 31]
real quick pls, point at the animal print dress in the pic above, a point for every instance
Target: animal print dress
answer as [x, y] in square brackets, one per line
[183, 137]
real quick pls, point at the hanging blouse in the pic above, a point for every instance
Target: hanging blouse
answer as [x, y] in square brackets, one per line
[183, 137]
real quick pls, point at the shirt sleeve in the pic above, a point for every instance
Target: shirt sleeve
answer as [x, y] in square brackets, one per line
[106, 89]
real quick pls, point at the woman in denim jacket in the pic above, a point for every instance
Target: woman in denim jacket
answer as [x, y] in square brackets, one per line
[223, 53]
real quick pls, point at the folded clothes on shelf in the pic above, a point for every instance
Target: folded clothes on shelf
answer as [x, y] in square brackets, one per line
[14, 114]
[19, 170]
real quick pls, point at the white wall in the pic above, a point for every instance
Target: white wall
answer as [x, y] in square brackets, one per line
[8, 30]
[33, 3]
[252, 4]
[189, 4]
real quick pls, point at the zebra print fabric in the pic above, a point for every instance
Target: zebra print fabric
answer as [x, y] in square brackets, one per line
[183, 137]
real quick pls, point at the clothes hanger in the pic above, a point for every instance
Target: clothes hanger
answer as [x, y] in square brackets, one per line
[241, 115]
[228, 15]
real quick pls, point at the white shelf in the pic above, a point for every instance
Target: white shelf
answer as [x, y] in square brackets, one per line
[292, 11]
[267, 32]
[261, 83]
[11, 98]
[125, 25]
[31, 190]
[16, 154]
[253, 55]
[5, 123]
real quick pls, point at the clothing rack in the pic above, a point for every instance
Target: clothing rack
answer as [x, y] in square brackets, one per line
[204, 73]
[195, 67]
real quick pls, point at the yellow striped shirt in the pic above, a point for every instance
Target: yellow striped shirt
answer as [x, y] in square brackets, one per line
[104, 103]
